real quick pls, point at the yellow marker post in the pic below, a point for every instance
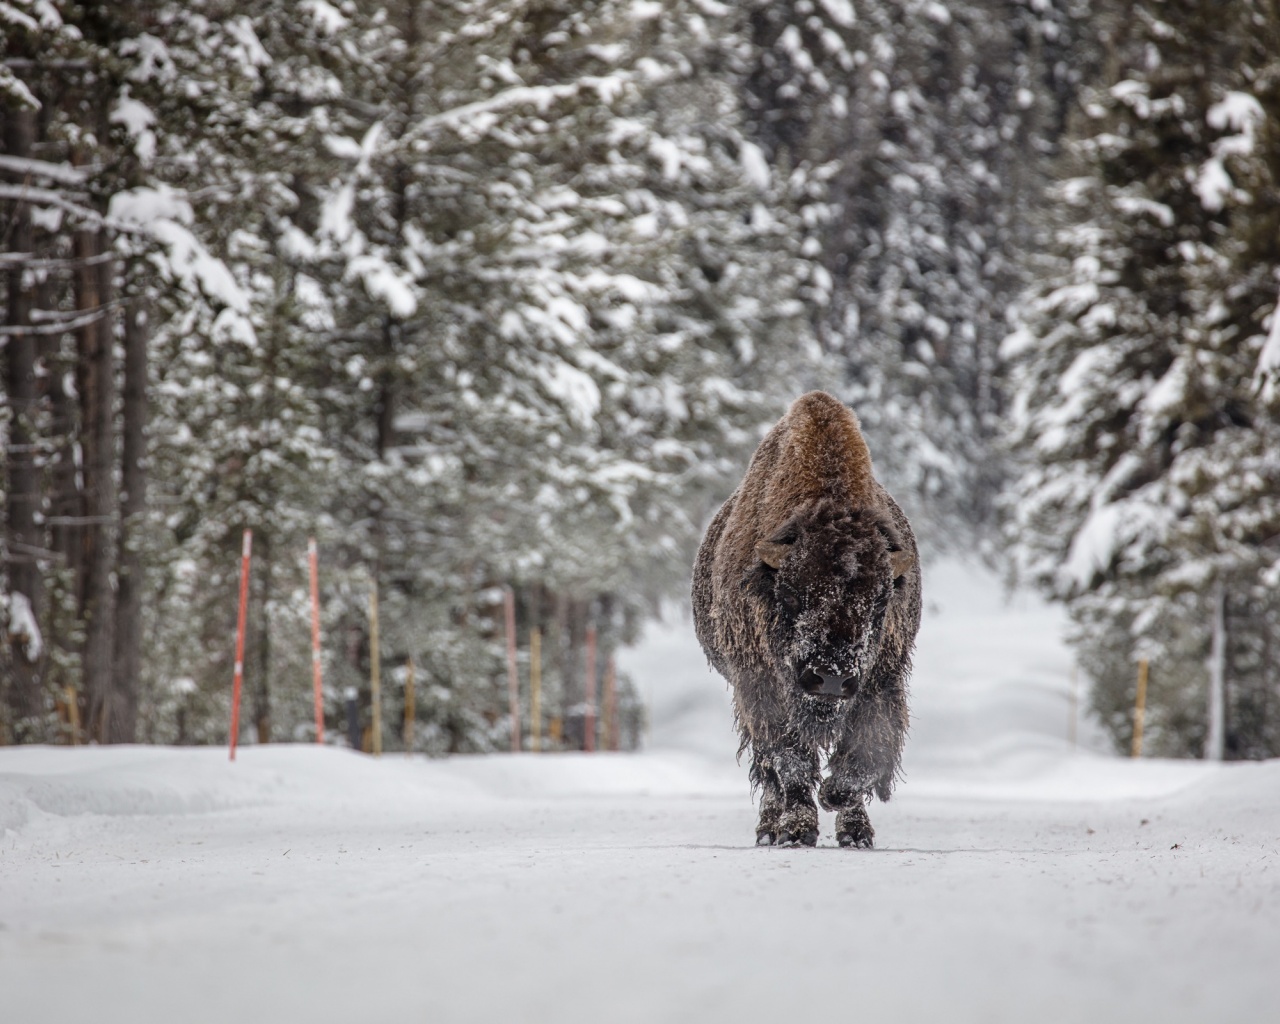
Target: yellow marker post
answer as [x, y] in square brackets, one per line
[1140, 707]
[375, 670]
[73, 716]
[535, 688]
[409, 713]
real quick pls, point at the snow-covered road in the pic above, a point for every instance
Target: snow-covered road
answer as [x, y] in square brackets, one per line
[1014, 879]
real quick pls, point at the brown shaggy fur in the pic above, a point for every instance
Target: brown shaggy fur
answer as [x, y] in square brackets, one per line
[806, 598]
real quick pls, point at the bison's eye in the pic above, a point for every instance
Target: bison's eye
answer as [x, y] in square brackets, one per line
[789, 601]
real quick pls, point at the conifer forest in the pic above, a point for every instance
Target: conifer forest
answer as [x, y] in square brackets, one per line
[496, 297]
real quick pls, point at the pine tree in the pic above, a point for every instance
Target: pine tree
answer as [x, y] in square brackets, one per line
[565, 311]
[1150, 477]
[64, 284]
[479, 294]
[921, 131]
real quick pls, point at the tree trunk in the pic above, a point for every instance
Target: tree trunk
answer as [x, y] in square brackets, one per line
[1215, 741]
[123, 720]
[24, 536]
[261, 684]
[96, 384]
[64, 476]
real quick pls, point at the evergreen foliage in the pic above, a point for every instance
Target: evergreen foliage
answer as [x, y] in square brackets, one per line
[479, 294]
[925, 127]
[1149, 434]
[490, 293]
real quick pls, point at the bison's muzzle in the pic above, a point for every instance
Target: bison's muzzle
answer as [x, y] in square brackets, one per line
[827, 684]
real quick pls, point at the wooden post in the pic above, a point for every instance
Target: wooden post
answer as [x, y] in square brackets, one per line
[350, 698]
[513, 679]
[246, 547]
[1074, 706]
[1140, 707]
[1215, 738]
[535, 688]
[312, 561]
[589, 717]
[73, 716]
[410, 716]
[375, 670]
[610, 705]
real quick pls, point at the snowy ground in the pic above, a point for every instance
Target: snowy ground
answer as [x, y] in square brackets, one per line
[1014, 880]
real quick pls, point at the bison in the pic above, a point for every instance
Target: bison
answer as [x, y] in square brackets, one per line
[806, 598]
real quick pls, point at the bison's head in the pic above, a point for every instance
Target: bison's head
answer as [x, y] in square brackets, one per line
[824, 582]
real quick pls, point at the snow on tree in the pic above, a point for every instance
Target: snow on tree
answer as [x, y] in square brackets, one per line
[1150, 480]
[921, 129]
[61, 381]
[575, 301]
[478, 294]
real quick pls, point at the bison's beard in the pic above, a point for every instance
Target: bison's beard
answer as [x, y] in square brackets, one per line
[822, 709]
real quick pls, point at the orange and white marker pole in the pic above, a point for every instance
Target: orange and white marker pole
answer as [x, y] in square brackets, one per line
[589, 719]
[312, 560]
[245, 548]
[513, 679]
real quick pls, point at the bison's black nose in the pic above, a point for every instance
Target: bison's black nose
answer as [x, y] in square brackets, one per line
[827, 684]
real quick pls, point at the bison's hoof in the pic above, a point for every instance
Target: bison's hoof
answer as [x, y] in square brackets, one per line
[858, 842]
[809, 838]
[853, 828]
[798, 826]
[767, 824]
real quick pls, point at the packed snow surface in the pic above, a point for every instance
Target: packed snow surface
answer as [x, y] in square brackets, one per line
[1015, 878]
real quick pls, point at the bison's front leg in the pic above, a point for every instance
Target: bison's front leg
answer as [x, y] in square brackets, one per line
[846, 791]
[865, 761]
[786, 776]
[853, 825]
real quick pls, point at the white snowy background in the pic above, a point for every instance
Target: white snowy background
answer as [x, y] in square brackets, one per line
[1016, 877]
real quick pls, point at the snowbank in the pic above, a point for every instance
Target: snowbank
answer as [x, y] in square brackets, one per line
[1015, 879]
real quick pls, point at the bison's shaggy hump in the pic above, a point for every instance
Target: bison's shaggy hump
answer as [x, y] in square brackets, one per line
[806, 597]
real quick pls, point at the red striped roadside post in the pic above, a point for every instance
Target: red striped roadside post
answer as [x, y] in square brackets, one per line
[245, 548]
[589, 718]
[513, 680]
[312, 560]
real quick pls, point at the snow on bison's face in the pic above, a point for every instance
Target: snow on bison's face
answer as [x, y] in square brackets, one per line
[823, 585]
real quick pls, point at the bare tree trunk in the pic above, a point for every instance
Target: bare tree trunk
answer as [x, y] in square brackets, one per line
[64, 477]
[25, 537]
[96, 385]
[123, 720]
[262, 677]
[1215, 741]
